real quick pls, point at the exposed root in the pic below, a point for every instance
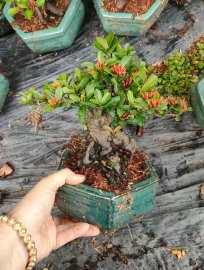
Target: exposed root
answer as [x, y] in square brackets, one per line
[53, 9]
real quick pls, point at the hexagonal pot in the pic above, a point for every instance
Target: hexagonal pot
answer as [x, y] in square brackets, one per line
[197, 98]
[56, 38]
[105, 209]
[4, 26]
[4, 88]
[127, 24]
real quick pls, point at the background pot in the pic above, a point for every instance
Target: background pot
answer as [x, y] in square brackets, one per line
[4, 88]
[105, 209]
[4, 26]
[197, 98]
[127, 24]
[56, 38]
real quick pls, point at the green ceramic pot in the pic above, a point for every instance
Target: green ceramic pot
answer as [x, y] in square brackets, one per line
[197, 98]
[56, 38]
[105, 209]
[4, 88]
[4, 26]
[127, 24]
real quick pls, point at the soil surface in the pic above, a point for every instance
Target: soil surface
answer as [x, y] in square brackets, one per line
[136, 7]
[35, 23]
[115, 172]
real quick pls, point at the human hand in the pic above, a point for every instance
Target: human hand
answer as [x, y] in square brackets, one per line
[34, 212]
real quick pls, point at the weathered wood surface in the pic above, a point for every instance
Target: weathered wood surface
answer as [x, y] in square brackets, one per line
[175, 148]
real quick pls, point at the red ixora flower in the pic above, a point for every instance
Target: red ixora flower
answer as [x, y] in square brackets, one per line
[184, 105]
[149, 95]
[32, 4]
[172, 100]
[54, 101]
[154, 103]
[125, 116]
[100, 64]
[118, 69]
[127, 82]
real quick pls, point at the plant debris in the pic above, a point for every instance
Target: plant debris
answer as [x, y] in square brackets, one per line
[35, 118]
[35, 24]
[115, 172]
[179, 253]
[201, 192]
[136, 7]
[6, 170]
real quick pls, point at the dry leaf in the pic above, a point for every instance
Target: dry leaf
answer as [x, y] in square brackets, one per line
[179, 253]
[5, 170]
[201, 192]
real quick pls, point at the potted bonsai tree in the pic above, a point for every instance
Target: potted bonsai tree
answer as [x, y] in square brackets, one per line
[4, 25]
[115, 90]
[125, 17]
[45, 25]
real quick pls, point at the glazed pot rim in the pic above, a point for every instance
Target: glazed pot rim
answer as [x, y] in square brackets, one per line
[45, 32]
[130, 16]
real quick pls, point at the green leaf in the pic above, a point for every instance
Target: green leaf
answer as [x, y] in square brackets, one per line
[94, 101]
[63, 77]
[40, 3]
[130, 97]
[98, 95]
[89, 104]
[126, 61]
[105, 98]
[73, 97]
[82, 115]
[150, 82]
[59, 93]
[120, 111]
[102, 42]
[132, 121]
[87, 64]
[37, 95]
[112, 102]
[13, 11]
[49, 108]
[89, 90]
[28, 13]
[98, 46]
[109, 38]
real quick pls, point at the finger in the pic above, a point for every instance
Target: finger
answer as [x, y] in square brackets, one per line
[76, 231]
[58, 179]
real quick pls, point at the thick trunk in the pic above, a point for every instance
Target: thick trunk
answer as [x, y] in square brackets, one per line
[102, 134]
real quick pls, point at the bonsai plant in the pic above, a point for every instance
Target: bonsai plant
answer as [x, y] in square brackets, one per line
[4, 25]
[131, 18]
[110, 93]
[45, 25]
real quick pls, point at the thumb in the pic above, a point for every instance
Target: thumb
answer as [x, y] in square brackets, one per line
[58, 179]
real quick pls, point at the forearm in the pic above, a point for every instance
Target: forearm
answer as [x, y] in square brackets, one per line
[13, 252]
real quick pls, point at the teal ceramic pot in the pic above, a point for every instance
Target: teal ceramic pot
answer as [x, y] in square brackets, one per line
[197, 98]
[127, 24]
[4, 26]
[105, 209]
[4, 88]
[56, 38]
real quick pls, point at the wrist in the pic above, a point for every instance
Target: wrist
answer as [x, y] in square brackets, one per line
[14, 248]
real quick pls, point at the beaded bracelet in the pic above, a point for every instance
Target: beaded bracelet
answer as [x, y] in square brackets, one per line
[27, 239]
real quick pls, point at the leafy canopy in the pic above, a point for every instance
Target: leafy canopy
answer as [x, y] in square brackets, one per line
[116, 83]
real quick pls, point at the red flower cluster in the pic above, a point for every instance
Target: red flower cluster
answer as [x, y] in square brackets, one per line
[54, 101]
[125, 116]
[118, 69]
[127, 82]
[32, 4]
[100, 64]
[154, 103]
[184, 105]
[149, 95]
[172, 100]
